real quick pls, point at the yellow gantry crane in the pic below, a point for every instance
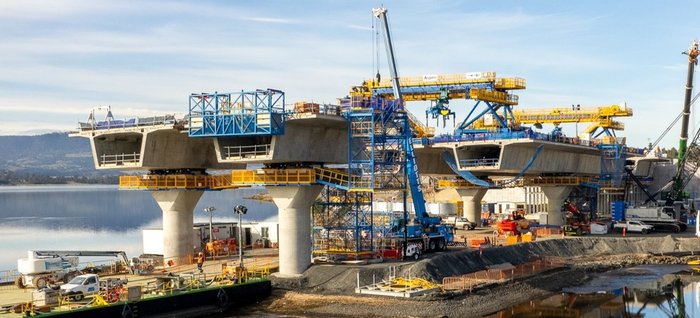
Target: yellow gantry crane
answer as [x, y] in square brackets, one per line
[441, 88]
[601, 117]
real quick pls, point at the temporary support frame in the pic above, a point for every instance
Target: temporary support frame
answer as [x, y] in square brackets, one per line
[259, 112]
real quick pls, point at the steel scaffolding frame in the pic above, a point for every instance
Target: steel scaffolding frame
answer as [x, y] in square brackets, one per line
[259, 112]
[345, 222]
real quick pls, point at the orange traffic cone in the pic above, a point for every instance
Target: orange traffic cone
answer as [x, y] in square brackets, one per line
[624, 231]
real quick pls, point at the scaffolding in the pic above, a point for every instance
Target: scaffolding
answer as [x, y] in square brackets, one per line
[345, 224]
[259, 112]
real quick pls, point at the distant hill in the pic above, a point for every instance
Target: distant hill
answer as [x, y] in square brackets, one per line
[53, 154]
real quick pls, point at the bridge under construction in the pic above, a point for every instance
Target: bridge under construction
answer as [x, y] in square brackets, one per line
[323, 164]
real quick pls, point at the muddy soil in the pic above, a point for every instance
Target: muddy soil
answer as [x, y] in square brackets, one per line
[328, 290]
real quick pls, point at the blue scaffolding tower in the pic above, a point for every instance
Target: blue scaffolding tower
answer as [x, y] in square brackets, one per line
[259, 112]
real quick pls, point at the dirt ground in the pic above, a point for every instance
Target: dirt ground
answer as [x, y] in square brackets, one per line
[328, 290]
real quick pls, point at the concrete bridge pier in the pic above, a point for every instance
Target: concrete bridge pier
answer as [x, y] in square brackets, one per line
[471, 200]
[178, 221]
[294, 204]
[555, 199]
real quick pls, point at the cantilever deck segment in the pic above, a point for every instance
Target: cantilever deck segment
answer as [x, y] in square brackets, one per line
[161, 147]
[508, 157]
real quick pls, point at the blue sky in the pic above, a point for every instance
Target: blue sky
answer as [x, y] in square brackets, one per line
[61, 58]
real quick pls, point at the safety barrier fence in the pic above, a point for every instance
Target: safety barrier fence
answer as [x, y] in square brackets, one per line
[484, 162]
[127, 123]
[443, 79]
[124, 159]
[179, 181]
[7, 279]
[493, 96]
[273, 177]
[522, 182]
[473, 280]
[249, 151]
[510, 83]
[315, 108]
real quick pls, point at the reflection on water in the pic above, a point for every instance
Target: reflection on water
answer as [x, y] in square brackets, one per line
[98, 217]
[643, 291]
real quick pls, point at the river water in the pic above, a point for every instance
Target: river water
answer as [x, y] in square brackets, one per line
[98, 217]
[641, 291]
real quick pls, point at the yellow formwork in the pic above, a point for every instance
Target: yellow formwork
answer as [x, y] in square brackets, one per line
[153, 182]
[303, 176]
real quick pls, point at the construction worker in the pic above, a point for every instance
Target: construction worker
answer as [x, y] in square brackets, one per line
[200, 262]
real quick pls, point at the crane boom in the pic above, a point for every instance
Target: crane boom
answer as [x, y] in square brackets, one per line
[679, 181]
[380, 13]
[692, 61]
[120, 254]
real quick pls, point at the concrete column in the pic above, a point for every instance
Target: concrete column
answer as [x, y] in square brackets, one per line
[178, 214]
[555, 199]
[294, 205]
[471, 199]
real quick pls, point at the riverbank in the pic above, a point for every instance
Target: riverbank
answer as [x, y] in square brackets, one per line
[328, 291]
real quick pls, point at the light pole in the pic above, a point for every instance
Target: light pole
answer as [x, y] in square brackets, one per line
[240, 210]
[210, 210]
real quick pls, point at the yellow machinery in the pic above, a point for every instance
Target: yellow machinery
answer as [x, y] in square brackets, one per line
[601, 117]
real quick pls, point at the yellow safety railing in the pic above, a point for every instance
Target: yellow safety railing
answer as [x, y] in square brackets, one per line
[433, 79]
[493, 96]
[332, 176]
[456, 183]
[510, 83]
[521, 182]
[419, 128]
[179, 181]
[273, 177]
[221, 181]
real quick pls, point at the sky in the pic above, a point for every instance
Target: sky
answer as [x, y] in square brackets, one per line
[60, 59]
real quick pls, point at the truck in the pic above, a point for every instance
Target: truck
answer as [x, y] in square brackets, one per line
[661, 217]
[86, 285]
[81, 286]
[42, 268]
[633, 226]
[460, 223]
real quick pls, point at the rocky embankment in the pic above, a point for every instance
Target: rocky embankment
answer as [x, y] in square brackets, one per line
[328, 290]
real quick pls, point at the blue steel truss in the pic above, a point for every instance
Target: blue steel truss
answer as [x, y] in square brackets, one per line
[259, 112]
[505, 119]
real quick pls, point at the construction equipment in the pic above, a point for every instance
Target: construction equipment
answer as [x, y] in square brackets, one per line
[687, 166]
[42, 268]
[427, 231]
[576, 222]
[600, 117]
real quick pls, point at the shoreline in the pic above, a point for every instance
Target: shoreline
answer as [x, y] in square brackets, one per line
[328, 291]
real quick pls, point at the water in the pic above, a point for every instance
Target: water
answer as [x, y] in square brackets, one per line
[98, 217]
[641, 291]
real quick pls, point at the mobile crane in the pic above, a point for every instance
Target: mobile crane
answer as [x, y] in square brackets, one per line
[427, 233]
[673, 214]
